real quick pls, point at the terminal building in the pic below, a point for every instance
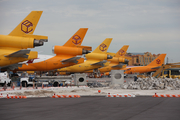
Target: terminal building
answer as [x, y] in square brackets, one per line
[141, 59]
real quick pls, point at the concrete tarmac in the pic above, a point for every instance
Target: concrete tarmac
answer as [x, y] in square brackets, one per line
[90, 108]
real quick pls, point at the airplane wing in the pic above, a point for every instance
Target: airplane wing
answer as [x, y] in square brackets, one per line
[101, 63]
[11, 67]
[73, 59]
[118, 66]
[20, 53]
[113, 54]
[156, 67]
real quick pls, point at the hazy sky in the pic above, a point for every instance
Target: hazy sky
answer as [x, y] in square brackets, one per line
[145, 25]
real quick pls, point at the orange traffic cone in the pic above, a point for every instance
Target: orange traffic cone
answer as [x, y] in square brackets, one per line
[99, 91]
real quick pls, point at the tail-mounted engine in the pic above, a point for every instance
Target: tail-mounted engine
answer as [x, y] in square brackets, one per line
[119, 60]
[98, 56]
[20, 42]
[64, 50]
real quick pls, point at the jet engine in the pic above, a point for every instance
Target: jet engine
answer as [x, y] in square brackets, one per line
[19, 42]
[64, 50]
[119, 60]
[98, 56]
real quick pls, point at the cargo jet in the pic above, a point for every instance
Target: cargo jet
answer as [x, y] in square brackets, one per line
[117, 62]
[153, 66]
[13, 47]
[66, 55]
[96, 59]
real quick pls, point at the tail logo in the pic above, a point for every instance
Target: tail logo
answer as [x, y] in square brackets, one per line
[26, 27]
[103, 47]
[121, 52]
[30, 61]
[76, 38]
[158, 61]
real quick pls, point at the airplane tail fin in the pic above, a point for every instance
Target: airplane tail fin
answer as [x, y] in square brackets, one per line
[77, 38]
[122, 51]
[158, 61]
[28, 25]
[103, 47]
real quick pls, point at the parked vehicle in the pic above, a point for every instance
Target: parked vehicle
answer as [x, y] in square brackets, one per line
[27, 80]
[4, 79]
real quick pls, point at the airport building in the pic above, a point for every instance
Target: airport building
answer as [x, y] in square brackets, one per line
[141, 59]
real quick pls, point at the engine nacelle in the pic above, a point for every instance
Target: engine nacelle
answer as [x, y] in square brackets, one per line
[64, 50]
[98, 56]
[119, 60]
[19, 42]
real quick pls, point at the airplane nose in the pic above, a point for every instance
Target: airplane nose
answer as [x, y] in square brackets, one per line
[85, 51]
[109, 57]
[126, 61]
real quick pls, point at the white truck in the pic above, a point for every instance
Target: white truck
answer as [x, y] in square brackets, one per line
[26, 80]
[4, 79]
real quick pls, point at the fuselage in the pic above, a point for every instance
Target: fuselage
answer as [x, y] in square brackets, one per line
[107, 68]
[139, 69]
[82, 67]
[52, 63]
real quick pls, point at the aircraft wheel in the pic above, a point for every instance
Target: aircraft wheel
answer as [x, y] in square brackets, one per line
[9, 84]
[24, 84]
[55, 84]
[2, 84]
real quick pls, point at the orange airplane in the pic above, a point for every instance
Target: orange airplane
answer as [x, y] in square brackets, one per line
[117, 62]
[94, 60]
[66, 55]
[153, 66]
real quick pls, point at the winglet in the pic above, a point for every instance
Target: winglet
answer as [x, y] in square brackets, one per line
[158, 61]
[122, 51]
[77, 38]
[28, 25]
[103, 47]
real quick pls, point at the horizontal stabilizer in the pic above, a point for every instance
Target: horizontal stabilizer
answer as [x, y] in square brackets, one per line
[20, 53]
[37, 37]
[156, 67]
[72, 60]
[101, 63]
[85, 47]
[112, 54]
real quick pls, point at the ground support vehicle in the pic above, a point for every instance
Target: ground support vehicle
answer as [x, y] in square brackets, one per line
[4, 79]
